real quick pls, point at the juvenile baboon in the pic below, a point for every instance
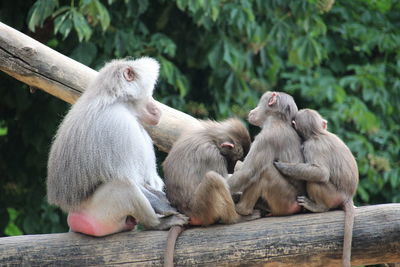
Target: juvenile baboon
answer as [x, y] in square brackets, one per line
[330, 171]
[257, 177]
[197, 166]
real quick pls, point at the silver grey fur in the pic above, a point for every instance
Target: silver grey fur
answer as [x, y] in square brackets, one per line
[101, 140]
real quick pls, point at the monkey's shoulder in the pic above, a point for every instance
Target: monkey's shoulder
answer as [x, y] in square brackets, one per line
[282, 134]
[328, 148]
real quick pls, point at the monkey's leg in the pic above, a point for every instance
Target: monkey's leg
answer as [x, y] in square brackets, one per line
[114, 207]
[279, 193]
[311, 205]
[254, 216]
[212, 201]
[303, 171]
[158, 201]
[249, 199]
[322, 197]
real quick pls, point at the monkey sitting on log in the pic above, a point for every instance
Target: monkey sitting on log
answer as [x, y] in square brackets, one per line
[257, 177]
[330, 171]
[102, 166]
[197, 166]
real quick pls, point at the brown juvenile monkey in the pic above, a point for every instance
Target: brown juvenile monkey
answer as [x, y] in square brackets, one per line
[257, 176]
[330, 171]
[101, 167]
[197, 165]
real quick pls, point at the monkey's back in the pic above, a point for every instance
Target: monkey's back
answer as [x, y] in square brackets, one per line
[281, 140]
[278, 141]
[330, 151]
[93, 145]
[190, 158]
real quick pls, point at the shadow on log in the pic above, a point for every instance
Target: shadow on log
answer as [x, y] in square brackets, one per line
[298, 240]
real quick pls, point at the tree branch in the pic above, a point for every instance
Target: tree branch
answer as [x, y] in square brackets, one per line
[39, 66]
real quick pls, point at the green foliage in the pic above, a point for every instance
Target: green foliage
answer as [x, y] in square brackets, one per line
[11, 228]
[217, 57]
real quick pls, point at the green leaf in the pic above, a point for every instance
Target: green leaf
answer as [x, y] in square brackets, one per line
[143, 6]
[11, 228]
[163, 44]
[81, 26]
[305, 51]
[214, 56]
[96, 12]
[363, 194]
[40, 11]
[63, 24]
[3, 128]
[103, 15]
[181, 86]
[182, 4]
[214, 13]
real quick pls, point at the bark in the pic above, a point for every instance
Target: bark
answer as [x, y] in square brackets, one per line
[299, 240]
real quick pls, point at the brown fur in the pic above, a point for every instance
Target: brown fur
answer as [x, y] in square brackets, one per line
[330, 171]
[197, 165]
[257, 177]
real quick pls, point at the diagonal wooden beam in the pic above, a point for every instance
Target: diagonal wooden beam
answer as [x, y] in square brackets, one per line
[37, 65]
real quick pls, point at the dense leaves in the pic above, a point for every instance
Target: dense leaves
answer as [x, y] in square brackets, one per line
[217, 57]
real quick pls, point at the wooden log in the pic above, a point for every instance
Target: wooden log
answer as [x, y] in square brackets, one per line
[39, 66]
[298, 240]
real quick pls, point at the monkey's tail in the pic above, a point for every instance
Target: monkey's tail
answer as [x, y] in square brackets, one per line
[173, 235]
[349, 213]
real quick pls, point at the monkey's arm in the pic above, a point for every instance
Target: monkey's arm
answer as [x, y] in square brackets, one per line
[303, 171]
[240, 179]
[238, 165]
[248, 171]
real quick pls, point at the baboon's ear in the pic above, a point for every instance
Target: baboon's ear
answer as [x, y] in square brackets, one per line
[273, 99]
[129, 74]
[227, 144]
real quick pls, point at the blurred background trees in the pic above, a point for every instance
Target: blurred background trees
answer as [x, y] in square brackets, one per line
[217, 57]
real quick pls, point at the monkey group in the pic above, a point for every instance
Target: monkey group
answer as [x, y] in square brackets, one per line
[102, 165]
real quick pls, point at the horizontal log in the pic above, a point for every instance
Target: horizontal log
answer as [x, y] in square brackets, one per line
[298, 240]
[41, 67]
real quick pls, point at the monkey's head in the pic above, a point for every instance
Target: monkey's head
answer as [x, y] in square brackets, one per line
[308, 123]
[131, 82]
[233, 141]
[273, 103]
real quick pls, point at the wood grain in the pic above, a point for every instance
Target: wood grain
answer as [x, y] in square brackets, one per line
[298, 240]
